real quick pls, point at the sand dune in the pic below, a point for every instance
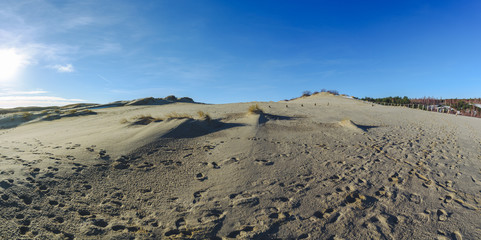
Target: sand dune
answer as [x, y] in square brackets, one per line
[319, 167]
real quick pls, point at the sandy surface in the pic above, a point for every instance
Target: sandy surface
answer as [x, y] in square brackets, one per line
[321, 167]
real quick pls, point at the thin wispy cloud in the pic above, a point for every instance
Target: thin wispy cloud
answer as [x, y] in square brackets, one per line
[48, 53]
[9, 92]
[10, 98]
[37, 99]
[104, 78]
[67, 68]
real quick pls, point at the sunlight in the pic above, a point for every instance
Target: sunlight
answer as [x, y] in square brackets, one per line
[10, 64]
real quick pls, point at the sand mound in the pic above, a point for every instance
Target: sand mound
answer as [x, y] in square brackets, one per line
[346, 123]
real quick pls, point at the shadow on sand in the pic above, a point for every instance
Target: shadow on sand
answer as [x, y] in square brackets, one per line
[192, 128]
[265, 117]
[365, 128]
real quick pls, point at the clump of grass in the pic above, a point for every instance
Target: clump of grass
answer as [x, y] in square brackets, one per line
[204, 116]
[174, 115]
[87, 111]
[72, 111]
[51, 116]
[255, 109]
[123, 121]
[26, 115]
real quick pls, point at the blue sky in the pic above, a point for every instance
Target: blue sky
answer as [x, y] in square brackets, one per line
[59, 52]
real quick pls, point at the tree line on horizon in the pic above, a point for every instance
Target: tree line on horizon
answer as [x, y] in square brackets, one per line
[389, 100]
[465, 107]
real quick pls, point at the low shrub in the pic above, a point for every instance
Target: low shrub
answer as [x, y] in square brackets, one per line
[255, 109]
[306, 93]
[186, 99]
[171, 98]
[26, 115]
[204, 116]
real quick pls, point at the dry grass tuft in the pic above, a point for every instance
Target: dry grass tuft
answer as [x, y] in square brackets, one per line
[52, 116]
[27, 115]
[144, 120]
[204, 116]
[255, 109]
[174, 115]
[87, 111]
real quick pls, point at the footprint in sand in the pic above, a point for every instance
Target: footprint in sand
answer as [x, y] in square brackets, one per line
[121, 163]
[231, 160]
[264, 162]
[23, 230]
[211, 215]
[298, 188]
[246, 202]
[200, 177]
[384, 192]
[323, 214]
[213, 165]
[422, 217]
[197, 196]
[395, 179]
[415, 198]
[442, 215]
[26, 199]
[235, 234]
[180, 223]
[145, 166]
[456, 235]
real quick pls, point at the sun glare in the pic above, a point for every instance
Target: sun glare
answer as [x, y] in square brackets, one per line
[10, 64]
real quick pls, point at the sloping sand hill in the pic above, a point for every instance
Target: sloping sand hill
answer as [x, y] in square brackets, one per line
[320, 167]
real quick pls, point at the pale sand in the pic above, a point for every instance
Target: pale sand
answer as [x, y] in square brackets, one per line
[321, 167]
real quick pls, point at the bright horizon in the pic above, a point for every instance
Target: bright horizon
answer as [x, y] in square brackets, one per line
[63, 52]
